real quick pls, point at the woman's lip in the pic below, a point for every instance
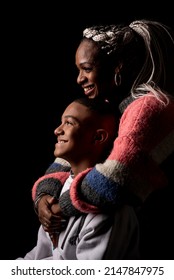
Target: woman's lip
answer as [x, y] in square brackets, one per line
[89, 91]
[90, 94]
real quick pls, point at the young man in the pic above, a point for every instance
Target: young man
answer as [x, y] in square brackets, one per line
[84, 138]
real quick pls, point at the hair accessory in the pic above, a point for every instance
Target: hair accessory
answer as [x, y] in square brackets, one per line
[141, 28]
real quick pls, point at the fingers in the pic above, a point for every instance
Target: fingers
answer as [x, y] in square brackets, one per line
[44, 211]
[55, 209]
[48, 206]
[52, 200]
[57, 226]
[49, 214]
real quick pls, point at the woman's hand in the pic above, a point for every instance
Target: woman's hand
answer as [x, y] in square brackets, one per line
[49, 214]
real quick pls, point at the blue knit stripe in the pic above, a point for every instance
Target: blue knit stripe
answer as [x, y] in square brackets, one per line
[94, 188]
[57, 167]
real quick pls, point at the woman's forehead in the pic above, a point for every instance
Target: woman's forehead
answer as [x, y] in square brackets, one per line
[87, 48]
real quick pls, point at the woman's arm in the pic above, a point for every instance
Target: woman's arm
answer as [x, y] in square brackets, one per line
[133, 164]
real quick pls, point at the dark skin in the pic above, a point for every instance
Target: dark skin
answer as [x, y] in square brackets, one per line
[94, 81]
[74, 130]
[49, 213]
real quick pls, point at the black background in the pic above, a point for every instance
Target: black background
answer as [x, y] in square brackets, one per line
[39, 79]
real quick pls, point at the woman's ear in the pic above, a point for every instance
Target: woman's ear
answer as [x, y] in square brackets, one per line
[101, 136]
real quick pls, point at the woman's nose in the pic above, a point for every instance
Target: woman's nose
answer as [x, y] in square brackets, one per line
[81, 78]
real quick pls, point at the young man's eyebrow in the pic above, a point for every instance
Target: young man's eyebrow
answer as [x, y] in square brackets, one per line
[72, 117]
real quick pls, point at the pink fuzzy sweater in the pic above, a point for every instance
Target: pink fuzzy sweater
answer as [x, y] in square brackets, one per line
[137, 164]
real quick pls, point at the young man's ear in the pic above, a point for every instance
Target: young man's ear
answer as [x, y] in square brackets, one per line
[101, 136]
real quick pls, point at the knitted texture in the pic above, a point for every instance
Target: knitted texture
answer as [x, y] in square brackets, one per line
[58, 165]
[49, 184]
[145, 140]
[53, 180]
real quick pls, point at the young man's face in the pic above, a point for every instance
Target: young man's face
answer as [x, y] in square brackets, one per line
[75, 135]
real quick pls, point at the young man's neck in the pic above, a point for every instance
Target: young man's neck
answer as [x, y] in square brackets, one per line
[77, 168]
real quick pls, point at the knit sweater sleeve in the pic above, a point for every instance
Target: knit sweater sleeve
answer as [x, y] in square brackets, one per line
[133, 164]
[53, 180]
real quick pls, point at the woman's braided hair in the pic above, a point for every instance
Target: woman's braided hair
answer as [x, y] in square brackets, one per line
[141, 46]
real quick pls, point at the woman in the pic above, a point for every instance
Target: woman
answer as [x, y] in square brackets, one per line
[129, 63]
